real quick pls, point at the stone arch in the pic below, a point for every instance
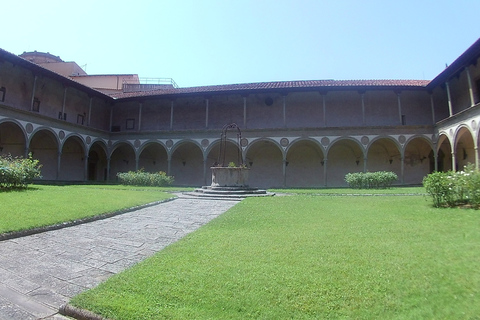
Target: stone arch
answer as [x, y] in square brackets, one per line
[183, 141]
[122, 159]
[97, 161]
[232, 152]
[444, 153]
[153, 157]
[344, 155]
[44, 147]
[418, 159]
[186, 164]
[304, 164]
[264, 157]
[12, 138]
[72, 159]
[383, 154]
[464, 147]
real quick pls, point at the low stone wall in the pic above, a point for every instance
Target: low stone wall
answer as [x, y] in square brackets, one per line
[229, 177]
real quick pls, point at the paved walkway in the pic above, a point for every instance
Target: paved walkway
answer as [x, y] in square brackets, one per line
[41, 272]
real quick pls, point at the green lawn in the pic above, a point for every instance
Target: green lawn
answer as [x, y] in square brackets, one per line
[42, 205]
[309, 257]
[350, 191]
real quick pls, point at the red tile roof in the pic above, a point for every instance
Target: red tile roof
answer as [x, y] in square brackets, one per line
[279, 86]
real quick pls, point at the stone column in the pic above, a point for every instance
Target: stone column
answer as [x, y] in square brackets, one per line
[362, 95]
[169, 165]
[204, 172]
[402, 168]
[245, 111]
[450, 109]
[206, 113]
[477, 160]
[137, 159]
[59, 161]
[470, 89]
[284, 172]
[33, 92]
[85, 168]
[89, 112]
[399, 101]
[365, 164]
[108, 169]
[325, 172]
[111, 117]
[454, 160]
[64, 102]
[435, 157]
[432, 106]
[324, 109]
[171, 114]
[140, 106]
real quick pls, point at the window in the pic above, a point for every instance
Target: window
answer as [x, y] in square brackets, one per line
[2, 94]
[130, 125]
[80, 118]
[36, 105]
[477, 100]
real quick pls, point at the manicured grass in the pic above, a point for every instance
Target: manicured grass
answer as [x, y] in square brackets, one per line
[307, 257]
[42, 205]
[350, 191]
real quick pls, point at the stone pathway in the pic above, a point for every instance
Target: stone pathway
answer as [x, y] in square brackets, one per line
[40, 273]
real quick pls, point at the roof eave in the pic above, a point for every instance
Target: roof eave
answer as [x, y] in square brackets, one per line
[467, 58]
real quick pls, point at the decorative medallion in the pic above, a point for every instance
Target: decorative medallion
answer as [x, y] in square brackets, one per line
[402, 139]
[137, 143]
[88, 140]
[474, 125]
[29, 128]
[451, 132]
[244, 142]
[434, 137]
[109, 143]
[205, 143]
[365, 140]
[284, 142]
[169, 143]
[61, 134]
[325, 141]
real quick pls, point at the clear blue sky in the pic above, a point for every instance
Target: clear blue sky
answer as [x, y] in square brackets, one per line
[224, 42]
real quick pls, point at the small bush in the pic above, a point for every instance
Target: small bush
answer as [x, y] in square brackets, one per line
[142, 178]
[449, 189]
[371, 180]
[18, 172]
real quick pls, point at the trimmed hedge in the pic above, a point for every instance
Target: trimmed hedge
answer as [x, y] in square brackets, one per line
[451, 189]
[371, 180]
[142, 178]
[18, 172]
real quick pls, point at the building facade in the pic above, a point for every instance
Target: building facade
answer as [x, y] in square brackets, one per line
[294, 133]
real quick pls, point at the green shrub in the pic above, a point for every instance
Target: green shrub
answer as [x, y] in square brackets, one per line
[440, 186]
[18, 172]
[142, 178]
[449, 189]
[371, 180]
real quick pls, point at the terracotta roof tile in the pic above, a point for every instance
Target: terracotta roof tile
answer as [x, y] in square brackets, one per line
[279, 85]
